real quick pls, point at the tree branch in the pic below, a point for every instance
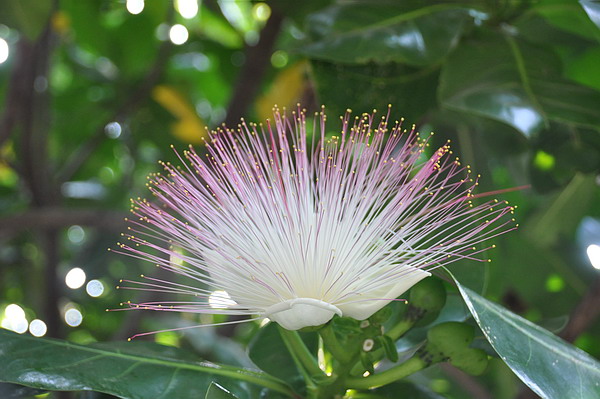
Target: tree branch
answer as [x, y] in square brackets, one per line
[58, 217]
[135, 100]
[257, 59]
[586, 312]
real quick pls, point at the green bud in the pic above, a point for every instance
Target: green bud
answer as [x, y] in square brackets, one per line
[389, 347]
[426, 299]
[472, 361]
[367, 361]
[451, 336]
[450, 342]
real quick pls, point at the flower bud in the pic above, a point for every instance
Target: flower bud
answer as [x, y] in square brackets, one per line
[450, 342]
[427, 298]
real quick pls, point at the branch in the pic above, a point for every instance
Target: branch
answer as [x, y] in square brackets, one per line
[584, 314]
[250, 78]
[57, 217]
[138, 96]
[466, 382]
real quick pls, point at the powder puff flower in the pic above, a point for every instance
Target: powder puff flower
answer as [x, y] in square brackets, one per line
[297, 227]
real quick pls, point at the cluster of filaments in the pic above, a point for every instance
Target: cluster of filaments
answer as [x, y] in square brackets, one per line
[271, 213]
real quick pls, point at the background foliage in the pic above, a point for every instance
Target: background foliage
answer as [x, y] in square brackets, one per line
[93, 95]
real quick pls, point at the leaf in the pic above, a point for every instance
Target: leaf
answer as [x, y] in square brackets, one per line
[127, 370]
[551, 367]
[563, 213]
[215, 391]
[500, 77]
[285, 91]
[411, 91]
[592, 8]
[268, 351]
[567, 15]
[189, 128]
[356, 32]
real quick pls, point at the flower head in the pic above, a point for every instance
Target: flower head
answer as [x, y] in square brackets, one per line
[298, 229]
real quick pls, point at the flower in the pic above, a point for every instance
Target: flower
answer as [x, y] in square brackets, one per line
[284, 228]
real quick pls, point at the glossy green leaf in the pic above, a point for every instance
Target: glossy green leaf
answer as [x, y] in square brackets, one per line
[500, 77]
[569, 16]
[268, 351]
[592, 8]
[551, 367]
[356, 32]
[411, 91]
[127, 370]
[215, 391]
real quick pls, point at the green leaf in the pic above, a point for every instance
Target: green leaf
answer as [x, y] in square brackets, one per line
[268, 351]
[411, 91]
[567, 15]
[500, 77]
[356, 32]
[28, 16]
[389, 347]
[551, 367]
[563, 213]
[127, 370]
[215, 391]
[592, 8]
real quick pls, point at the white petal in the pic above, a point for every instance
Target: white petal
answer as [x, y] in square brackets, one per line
[301, 312]
[370, 302]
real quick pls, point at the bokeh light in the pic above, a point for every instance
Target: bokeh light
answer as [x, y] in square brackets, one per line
[135, 6]
[76, 234]
[187, 8]
[593, 253]
[94, 288]
[178, 34]
[75, 278]
[3, 50]
[73, 317]
[261, 11]
[14, 319]
[38, 328]
[113, 130]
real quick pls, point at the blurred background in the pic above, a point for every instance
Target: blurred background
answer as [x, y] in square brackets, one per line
[93, 93]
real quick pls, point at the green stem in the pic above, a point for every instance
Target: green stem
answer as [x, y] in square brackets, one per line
[403, 370]
[394, 333]
[341, 354]
[400, 329]
[300, 352]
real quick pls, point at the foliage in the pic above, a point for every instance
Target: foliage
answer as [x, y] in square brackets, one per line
[93, 96]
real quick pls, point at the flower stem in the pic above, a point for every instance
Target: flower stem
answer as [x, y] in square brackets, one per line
[300, 352]
[400, 329]
[402, 370]
[341, 354]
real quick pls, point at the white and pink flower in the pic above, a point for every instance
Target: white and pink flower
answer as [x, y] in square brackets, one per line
[298, 227]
